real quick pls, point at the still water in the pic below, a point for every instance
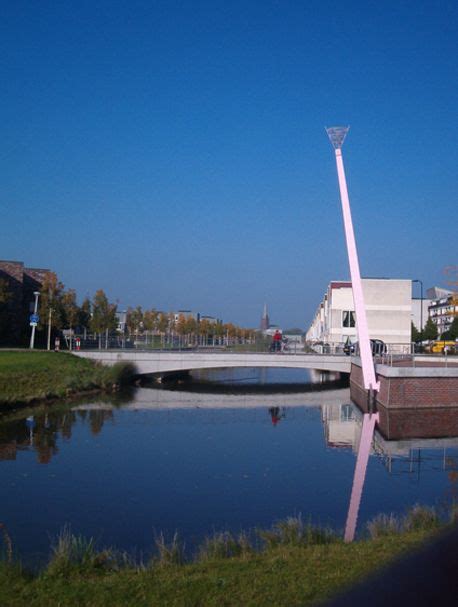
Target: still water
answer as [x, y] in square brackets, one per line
[166, 460]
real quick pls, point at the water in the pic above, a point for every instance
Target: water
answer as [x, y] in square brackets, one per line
[196, 463]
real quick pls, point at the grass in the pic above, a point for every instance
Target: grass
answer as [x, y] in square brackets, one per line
[303, 566]
[27, 376]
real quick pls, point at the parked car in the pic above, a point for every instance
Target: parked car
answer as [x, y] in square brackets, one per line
[441, 346]
[377, 346]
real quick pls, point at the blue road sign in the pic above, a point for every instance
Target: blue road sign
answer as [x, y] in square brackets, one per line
[34, 318]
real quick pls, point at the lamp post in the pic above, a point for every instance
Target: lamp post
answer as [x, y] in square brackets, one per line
[421, 305]
[34, 321]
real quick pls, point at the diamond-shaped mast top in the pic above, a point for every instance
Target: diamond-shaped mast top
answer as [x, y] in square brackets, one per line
[337, 135]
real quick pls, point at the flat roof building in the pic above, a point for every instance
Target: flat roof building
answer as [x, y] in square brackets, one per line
[388, 307]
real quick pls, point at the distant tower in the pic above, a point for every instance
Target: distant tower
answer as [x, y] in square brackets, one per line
[265, 322]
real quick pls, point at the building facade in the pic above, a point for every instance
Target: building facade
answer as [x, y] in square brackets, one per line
[442, 311]
[388, 307]
[20, 283]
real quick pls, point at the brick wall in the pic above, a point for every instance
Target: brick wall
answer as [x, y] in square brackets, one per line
[399, 392]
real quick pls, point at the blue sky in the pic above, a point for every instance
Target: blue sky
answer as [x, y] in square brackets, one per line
[174, 153]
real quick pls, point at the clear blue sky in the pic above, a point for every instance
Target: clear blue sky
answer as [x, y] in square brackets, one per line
[174, 153]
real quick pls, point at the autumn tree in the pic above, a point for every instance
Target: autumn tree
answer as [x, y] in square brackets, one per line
[150, 319]
[84, 315]
[69, 310]
[134, 320]
[103, 315]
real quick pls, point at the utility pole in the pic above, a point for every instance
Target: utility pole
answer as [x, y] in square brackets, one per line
[49, 328]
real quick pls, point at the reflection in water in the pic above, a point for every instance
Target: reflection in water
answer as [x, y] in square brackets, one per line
[346, 429]
[365, 442]
[41, 432]
[176, 460]
[277, 414]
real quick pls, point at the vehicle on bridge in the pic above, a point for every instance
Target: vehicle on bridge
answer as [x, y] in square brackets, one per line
[377, 346]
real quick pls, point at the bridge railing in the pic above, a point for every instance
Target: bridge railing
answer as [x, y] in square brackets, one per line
[167, 343]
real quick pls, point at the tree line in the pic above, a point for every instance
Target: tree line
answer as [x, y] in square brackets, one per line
[59, 311]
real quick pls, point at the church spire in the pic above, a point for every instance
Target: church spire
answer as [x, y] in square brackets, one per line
[265, 323]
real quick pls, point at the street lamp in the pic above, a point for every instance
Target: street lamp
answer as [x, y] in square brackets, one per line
[421, 305]
[34, 319]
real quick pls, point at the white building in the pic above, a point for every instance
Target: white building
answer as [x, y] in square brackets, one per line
[388, 308]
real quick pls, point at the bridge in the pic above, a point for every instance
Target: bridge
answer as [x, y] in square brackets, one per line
[160, 362]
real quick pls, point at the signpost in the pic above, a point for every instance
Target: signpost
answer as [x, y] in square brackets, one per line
[34, 318]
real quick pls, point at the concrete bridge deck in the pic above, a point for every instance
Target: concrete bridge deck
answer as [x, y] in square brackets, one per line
[158, 361]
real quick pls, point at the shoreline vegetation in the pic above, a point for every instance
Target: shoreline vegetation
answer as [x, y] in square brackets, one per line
[28, 377]
[293, 563]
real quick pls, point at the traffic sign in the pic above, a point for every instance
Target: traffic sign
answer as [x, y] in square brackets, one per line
[34, 318]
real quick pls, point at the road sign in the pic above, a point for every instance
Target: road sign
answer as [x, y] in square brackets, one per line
[34, 318]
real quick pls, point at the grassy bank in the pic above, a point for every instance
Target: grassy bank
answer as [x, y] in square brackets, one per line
[295, 564]
[29, 376]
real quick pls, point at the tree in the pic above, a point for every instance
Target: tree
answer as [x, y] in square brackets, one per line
[69, 309]
[150, 319]
[452, 332]
[5, 293]
[103, 315]
[415, 334]
[134, 320]
[50, 309]
[430, 330]
[50, 302]
[84, 315]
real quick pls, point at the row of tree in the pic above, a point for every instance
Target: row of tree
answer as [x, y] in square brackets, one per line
[59, 310]
[430, 332]
[139, 322]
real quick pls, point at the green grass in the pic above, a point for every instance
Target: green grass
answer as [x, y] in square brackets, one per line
[27, 376]
[285, 575]
[293, 564]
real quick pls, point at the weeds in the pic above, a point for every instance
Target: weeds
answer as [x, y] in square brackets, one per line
[224, 545]
[76, 553]
[382, 525]
[420, 518]
[169, 553]
[293, 532]
[8, 544]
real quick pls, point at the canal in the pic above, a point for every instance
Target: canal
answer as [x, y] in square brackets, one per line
[207, 458]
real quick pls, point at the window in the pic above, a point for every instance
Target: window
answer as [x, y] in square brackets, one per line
[348, 318]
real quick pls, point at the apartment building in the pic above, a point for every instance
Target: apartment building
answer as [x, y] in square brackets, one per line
[388, 308]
